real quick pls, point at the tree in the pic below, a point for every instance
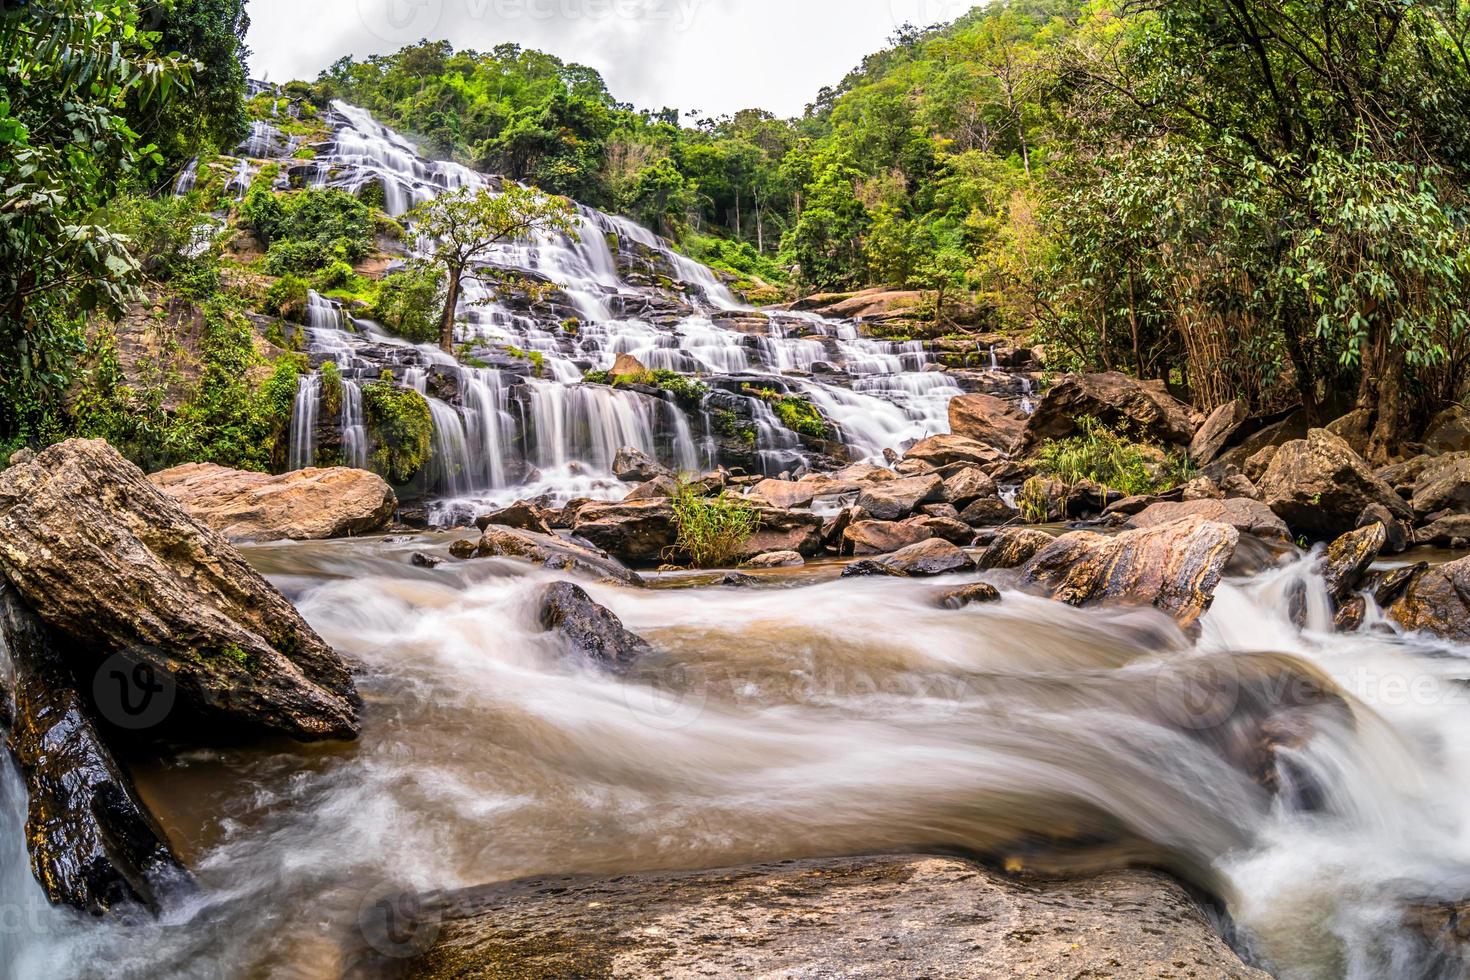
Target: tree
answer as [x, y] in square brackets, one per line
[70, 69]
[464, 226]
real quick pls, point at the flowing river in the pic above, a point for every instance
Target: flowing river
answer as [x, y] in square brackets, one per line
[804, 716]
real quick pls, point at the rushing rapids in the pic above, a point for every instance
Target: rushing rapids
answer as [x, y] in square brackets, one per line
[526, 424]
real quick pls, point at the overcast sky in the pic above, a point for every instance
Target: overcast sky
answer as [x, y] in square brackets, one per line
[716, 56]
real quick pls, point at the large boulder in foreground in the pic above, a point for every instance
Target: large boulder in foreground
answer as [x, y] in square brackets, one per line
[93, 844]
[1143, 409]
[1319, 486]
[986, 419]
[307, 505]
[1175, 567]
[1245, 515]
[107, 559]
[890, 916]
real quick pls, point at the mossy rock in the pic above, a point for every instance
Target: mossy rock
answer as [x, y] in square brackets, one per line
[400, 429]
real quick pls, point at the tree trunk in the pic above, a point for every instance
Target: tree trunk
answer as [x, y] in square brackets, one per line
[1306, 381]
[451, 304]
[1381, 393]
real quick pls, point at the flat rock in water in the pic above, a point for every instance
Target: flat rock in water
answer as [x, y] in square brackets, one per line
[882, 537]
[548, 550]
[107, 559]
[307, 505]
[93, 844]
[1175, 567]
[590, 629]
[875, 917]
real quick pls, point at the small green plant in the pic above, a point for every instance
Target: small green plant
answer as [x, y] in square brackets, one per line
[1034, 501]
[728, 424]
[712, 531]
[686, 390]
[795, 412]
[1103, 456]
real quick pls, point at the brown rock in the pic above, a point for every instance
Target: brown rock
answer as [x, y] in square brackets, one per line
[1404, 476]
[1175, 567]
[1256, 466]
[836, 917]
[106, 558]
[635, 466]
[989, 512]
[627, 366]
[950, 529]
[970, 595]
[925, 559]
[1354, 428]
[545, 549]
[1437, 601]
[1443, 485]
[660, 487]
[898, 499]
[777, 559]
[1346, 563]
[1451, 531]
[521, 515]
[882, 537]
[967, 486]
[1144, 409]
[944, 450]
[864, 473]
[786, 530]
[1203, 488]
[1398, 536]
[1319, 486]
[1223, 424]
[639, 532]
[1013, 548]
[1238, 485]
[785, 494]
[307, 505]
[1245, 515]
[590, 629]
[986, 419]
[1448, 432]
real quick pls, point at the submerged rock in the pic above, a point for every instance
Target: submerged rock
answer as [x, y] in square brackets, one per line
[590, 629]
[1174, 567]
[890, 916]
[106, 558]
[970, 595]
[307, 505]
[93, 844]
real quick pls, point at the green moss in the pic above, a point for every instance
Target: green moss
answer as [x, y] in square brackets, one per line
[400, 430]
[331, 390]
[728, 424]
[795, 412]
[686, 390]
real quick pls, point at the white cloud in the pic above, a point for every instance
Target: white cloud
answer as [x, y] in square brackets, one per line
[717, 56]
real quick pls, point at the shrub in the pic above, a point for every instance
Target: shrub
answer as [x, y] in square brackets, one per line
[409, 303]
[287, 298]
[688, 391]
[172, 239]
[1103, 456]
[401, 429]
[309, 230]
[712, 531]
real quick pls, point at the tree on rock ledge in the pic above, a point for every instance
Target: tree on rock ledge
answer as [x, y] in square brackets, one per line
[464, 226]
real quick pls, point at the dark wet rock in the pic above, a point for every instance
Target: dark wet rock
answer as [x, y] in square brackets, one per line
[1451, 531]
[826, 918]
[989, 512]
[93, 844]
[1347, 561]
[987, 420]
[1350, 614]
[421, 560]
[1013, 547]
[549, 550]
[835, 528]
[1319, 486]
[1391, 585]
[898, 499]
[1145, 409]
[1448, 432]
[951, 530]
[1437, 601]
[590, 629]
[1174, 567]
[564, 518]
[967, 486]
[522, 515]
[970, 595]
[634, 466]
[1220, 429]
[1243, 514]
[306, 505]
[639, 532]
[738, 580]
[661, 487]
[1129, 506]
[1443, 485]
[944, 450]
[1354, 428]
[881, 537]
[108, 560]
[1398, 536]
[776, 559]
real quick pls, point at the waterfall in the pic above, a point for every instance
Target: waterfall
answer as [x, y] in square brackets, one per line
[187, 178]
[354, 429]
[451, 461]
[303, 422]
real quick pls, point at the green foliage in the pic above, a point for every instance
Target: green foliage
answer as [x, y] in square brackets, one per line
[712, 531]
[172, 241]
[796, 412]
[728, 424]
[1104, 457]
[288, 297]
[409, 302]
[400, 430]
[686, 390]
[1034, 501]
[308, 231]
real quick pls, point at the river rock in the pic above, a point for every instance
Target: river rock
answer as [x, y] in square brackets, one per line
[786, 530]
[1346, 563]
[660, 487]
[1319, 486]
[1013, 548]
[1144, 409]
[522, 515]
[898, 499]
[989, 512]
[882, 537]
[627, 366]
[923, 560]
[109, 560]
[548, 550]
[590, 629]
[1243, 514]
[786, 494]
[1443, 485]
[967, 486]
[307, 505]
[986, 419]
[639, 532]
[1175, 567]
[635, 466]
[93, 844]
[1438, 602]
[970, 595]
[1238, 485]
[950, 529]
[1398, 536]
[776, 559]
[869, 917]
[948, 449]
[1451, 531]
[1448, 432]
[864, 473]
[1202, 488]
[1222, 426]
